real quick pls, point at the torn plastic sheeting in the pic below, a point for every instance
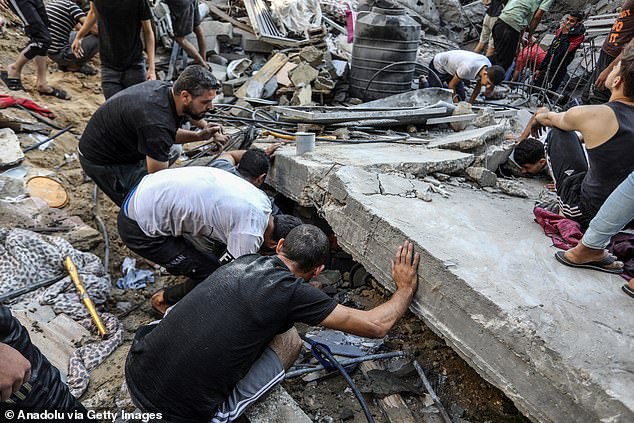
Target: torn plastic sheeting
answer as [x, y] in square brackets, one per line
[296, 16]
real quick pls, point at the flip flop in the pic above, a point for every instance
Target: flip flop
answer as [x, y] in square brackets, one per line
[14, 84]
[629, 291]
[594, 265]
[56, 92]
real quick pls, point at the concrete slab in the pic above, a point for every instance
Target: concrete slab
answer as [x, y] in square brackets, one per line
[557, 341]
[56, 336]
[301, 178]
[10, 147]
[470, 138]
[277, 406]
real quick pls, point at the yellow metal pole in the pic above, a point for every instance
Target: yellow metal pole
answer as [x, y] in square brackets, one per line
[74, 275]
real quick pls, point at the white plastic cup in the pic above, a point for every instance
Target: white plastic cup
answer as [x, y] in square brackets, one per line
[304, 142]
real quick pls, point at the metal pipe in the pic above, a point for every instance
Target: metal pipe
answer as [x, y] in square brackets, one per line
[102, 226]
[430, 390]
[51, 138]
[346, 362]
[14, 294]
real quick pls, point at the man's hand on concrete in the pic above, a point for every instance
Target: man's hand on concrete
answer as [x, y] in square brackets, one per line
[405, 267]
[271, 149]
[15, 370]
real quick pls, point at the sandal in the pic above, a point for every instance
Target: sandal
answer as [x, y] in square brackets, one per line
[56, 92]
[14, 84]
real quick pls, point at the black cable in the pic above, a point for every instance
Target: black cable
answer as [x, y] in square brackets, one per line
[104, 229]
[384, 68]
[325, 354]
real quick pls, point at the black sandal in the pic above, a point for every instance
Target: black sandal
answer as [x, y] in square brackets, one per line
[56, 92]
[14, 84]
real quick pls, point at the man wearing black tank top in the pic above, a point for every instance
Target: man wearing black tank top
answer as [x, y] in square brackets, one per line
[608, 133]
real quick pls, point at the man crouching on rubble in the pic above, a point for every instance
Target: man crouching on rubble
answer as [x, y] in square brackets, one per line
[131, 134]
[456, 66]
[223, 347]
[608, 134]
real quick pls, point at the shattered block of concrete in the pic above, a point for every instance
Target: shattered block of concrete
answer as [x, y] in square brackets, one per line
[482, 176]
[494, 155]
[513, 188]
[11, 188]
[303, 96]
[55, 336]
[277, 406]
[486, 117]
[312, 55]
[299, 178]
[463, 108]
[303, 75]
[469, 139]
[10, 150]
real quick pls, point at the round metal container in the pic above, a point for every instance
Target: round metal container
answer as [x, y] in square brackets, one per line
[383, 37]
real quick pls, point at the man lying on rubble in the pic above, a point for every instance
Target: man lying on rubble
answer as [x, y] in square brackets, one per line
[229, 342]
[28, 381]
[131, 134]
[252, 165]
[167, 209]
[608, 134]
[455, 66]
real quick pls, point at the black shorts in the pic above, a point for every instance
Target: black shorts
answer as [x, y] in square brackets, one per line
[569, 166]
[185, 16]
[505, 40]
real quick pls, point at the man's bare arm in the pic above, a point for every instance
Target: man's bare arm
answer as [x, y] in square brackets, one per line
[377, 322]
[15, 370]
[154, 166]
[91, 19]
[148, 36]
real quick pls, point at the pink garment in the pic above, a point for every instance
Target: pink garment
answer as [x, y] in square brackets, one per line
[564, 233]
[527, 56]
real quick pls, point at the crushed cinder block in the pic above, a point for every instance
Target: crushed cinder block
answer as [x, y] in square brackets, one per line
[312, 55]
[486, 117]
[11, 187]
[303, 96]
[494, 155]
[10, 148]
[513, 188]
[482, 176]
[303, 74]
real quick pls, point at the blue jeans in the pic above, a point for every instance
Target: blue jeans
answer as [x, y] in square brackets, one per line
[614, 215]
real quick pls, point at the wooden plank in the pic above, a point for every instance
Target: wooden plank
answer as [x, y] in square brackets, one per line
[267, 72]
[222, 15]
[393, 406]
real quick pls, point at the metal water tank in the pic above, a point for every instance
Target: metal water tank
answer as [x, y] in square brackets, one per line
[383, 37]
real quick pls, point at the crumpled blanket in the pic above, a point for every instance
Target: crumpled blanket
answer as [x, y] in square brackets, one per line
[564, 233]
[8, 101]
[27, 258]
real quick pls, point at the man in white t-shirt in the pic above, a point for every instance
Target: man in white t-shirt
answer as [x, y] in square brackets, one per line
[455, 66]
[167, 209]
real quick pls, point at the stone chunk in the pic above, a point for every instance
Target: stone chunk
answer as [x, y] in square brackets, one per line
[469, 139]
[10, 150]
[486, 117]
[482, 176]
[512, 188]
[303, 75]
[312, 55]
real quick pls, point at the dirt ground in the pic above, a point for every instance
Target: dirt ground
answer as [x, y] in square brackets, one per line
[463, 392]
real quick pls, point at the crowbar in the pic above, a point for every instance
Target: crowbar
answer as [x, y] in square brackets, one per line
[74, 275]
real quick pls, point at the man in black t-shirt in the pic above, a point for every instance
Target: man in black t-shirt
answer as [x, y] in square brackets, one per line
[120, 46]
[130, 135]
[221, 348]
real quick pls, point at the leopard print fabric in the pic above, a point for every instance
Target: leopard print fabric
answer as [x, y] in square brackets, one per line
[27, 258]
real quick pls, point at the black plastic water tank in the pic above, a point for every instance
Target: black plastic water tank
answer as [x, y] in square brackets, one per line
[383, 37]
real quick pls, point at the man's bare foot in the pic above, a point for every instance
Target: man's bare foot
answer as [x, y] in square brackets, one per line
[158, 303]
